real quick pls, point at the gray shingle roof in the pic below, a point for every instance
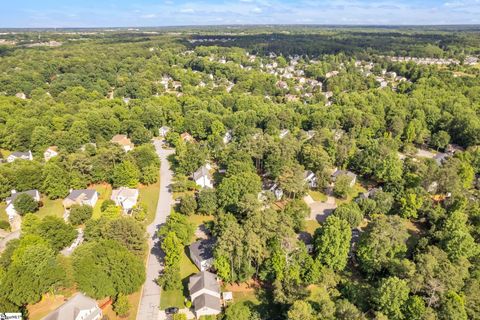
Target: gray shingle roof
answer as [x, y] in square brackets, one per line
[203, 280]
[88, 194]
[209, 301]
[203, 171]
[31, 193]
[202, 249]
[70, 309]
[19, 154]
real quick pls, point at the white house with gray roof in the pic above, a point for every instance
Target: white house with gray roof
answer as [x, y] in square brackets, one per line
[80, 307]
[10, 209]
[20, 155]
[205, 294]
[201, 253]
[83, 197]
[203, 178]
[125, 197]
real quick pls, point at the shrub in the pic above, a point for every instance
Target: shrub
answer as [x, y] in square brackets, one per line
[80, 214]
[25, 204]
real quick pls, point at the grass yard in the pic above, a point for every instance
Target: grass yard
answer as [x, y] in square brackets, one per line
[176, 298]
[317, 195]
[104, 191]
[311, 226]
[51, 208]
[3, 214]
[149, 197]
[356, 190]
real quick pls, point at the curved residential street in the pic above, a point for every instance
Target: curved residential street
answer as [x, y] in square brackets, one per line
[150, 300]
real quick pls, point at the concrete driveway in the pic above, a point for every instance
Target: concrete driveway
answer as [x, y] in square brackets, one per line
[320, 210]
[149, 307]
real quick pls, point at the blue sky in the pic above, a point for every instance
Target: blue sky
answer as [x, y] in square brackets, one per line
[123, 13]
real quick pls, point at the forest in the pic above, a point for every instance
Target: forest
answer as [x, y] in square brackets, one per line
[344, 162]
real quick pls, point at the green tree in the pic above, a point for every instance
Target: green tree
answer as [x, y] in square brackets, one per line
[383, 241]
[121, 306]
[240, 311]
[188, 205]
[456, 238]
[349, 212]
[391, 296]
[452, 307]
[24, 203]
[345, 310]
[207, 201]
[107, 203]
[415, 308]
[32, 273]
[55, 181]
[342, 186]
[79, 214]
[105, 268]
[169, 279]
[298, 211]
[58, 233]
[178, 224]
[128, 232]
[234, 188]
[410, 203]
[301, 310]
[440, 139]
[149, 174]
[126, 174]
[332, 243]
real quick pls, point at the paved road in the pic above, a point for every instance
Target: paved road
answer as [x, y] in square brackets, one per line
[150, 300]
[10, 236]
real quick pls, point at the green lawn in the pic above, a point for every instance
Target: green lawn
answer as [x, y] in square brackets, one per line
[3, 214]
[318, 196]
[176, 298]
[104, 191]
[149, 196]
[311, 226]
[356, 190]
[51, 208]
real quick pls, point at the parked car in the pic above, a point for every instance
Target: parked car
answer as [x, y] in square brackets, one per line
[171, 310]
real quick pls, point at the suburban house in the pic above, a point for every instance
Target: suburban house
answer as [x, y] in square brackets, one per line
[187, 137]
[80, 307]
[310, 178]
[20, 155]
[123, 141]
[203, 178]
[10, 209]
[162, 132]
[81, 197]
[205, 294]
[50, 153]
[201, 253]
[351, 175]
[125, 197]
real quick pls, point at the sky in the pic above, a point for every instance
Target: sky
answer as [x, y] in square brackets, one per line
[149, 13]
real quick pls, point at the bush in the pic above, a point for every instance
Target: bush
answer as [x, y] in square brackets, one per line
[342, 186]
[25, 204]
[188, 205]
[350, 212]
[121, 306]
[149, 175]
[107, 203]
[4, 225]
[139, 212]
[80, 214]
